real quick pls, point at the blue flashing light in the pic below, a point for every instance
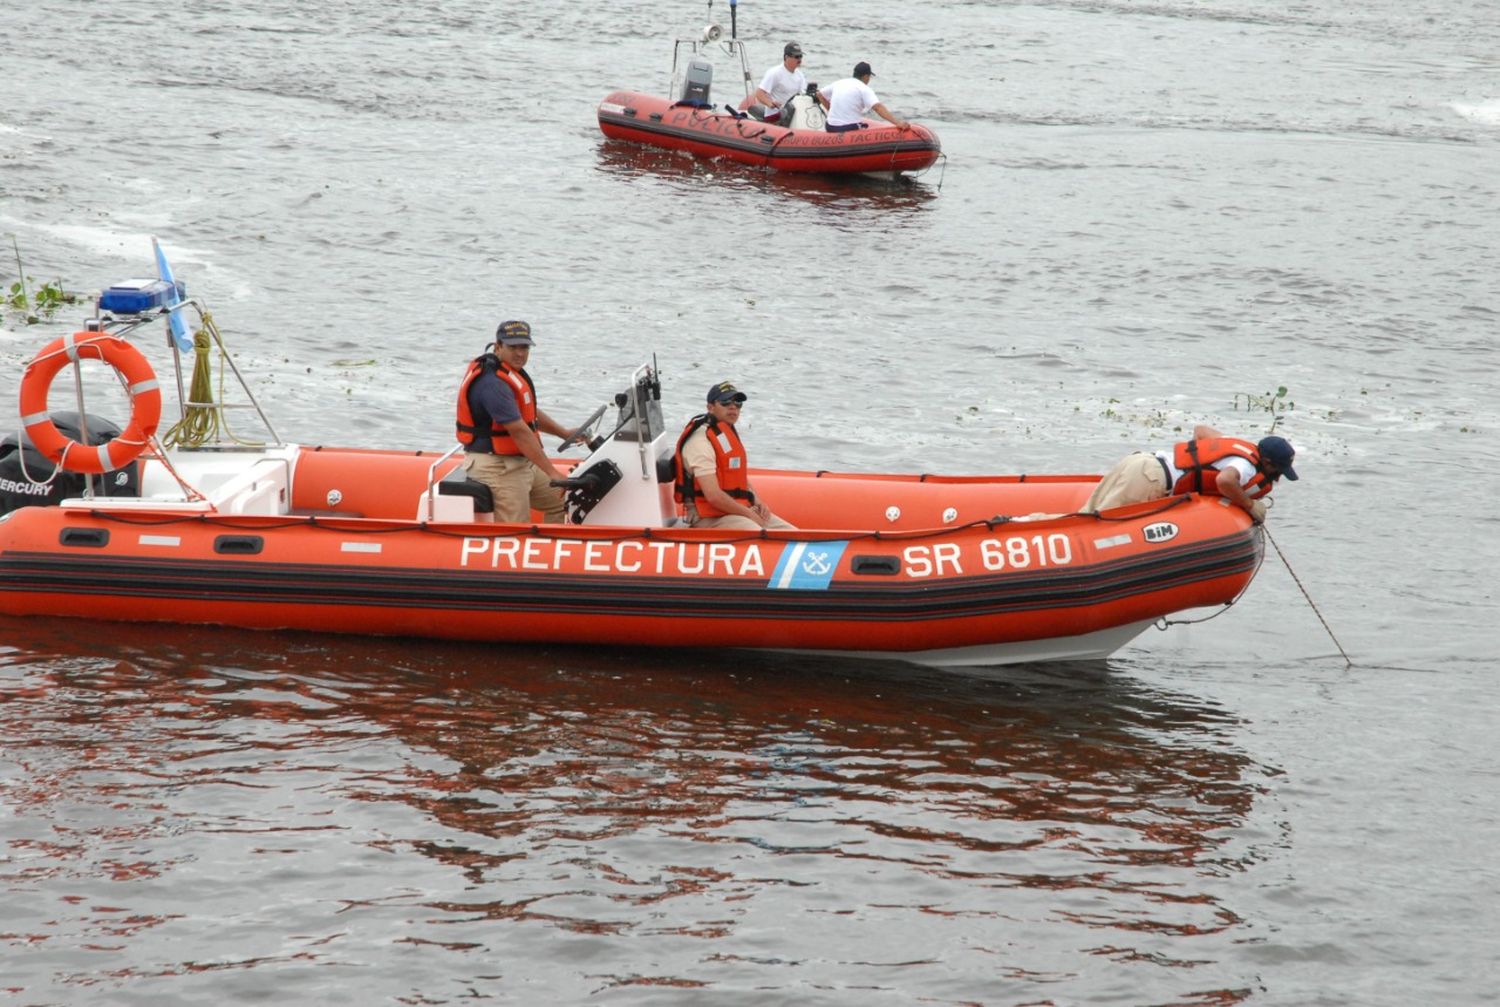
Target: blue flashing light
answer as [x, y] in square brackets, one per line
[134, 297]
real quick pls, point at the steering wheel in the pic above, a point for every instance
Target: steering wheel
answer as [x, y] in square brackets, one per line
[581, 435]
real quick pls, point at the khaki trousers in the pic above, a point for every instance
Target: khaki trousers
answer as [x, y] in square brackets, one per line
[1136, 479]
[518, 487]
[734, 522]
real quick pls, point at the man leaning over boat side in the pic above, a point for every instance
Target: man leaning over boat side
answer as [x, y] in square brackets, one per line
[848, 101]
[780, 85]
[712, 473]
[1211, 463]
[498, 422]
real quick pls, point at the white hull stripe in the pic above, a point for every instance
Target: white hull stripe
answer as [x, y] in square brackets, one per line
[360, 547]
[789, 564]
[1113, 540]
[168, 540]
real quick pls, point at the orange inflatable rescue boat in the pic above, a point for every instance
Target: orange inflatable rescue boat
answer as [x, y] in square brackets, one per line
[941, 570]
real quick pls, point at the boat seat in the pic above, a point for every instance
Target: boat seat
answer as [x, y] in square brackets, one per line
[458, 484]
[458, 499]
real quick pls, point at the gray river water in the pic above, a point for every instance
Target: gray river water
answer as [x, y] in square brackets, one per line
[1150, 215]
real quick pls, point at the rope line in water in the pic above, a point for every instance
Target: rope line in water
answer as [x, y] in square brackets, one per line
[1348, 663]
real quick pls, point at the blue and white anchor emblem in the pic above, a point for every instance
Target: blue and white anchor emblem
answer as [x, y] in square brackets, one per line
[816, 563]
[807, 566]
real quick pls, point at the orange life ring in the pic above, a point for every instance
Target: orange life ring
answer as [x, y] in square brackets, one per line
[140, 382]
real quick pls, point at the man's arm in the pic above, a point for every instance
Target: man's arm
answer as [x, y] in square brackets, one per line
[548, 425]
[1228, 482]
[531, 446]
[1204, 432]
[879, 109]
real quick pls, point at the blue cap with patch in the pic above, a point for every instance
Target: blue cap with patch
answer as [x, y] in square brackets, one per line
[724, 393]
[513, 334]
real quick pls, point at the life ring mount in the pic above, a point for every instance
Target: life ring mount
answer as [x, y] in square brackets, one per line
[140, 383]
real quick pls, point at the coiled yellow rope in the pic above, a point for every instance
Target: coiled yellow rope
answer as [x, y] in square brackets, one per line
[204, 419]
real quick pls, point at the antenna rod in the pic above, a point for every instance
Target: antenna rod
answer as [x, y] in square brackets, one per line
[732, 5]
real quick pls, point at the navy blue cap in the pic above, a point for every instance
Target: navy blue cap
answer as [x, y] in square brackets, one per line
[1279, 452]
[514, 334]
[724, 392]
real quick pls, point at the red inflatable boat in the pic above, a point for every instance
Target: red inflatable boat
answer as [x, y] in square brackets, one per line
[881, 150]
[692, 123]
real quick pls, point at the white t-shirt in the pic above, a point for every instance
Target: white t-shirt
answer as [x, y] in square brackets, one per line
[781, 83]
[1240, 465]
[848, 101]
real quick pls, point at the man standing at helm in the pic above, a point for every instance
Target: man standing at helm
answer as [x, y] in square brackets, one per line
[779, 85]
[498, 423]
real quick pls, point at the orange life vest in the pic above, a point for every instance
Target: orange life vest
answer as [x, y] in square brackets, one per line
[731, 467]
[1196, 458]
[469, 427]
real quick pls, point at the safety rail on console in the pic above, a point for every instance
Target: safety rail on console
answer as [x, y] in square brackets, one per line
[456, 508]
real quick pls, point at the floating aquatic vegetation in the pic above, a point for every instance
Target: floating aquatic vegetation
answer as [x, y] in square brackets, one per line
[1276, 403]
[38, 305]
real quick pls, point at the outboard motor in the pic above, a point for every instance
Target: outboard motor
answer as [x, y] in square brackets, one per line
[25, 471]
[695, 85]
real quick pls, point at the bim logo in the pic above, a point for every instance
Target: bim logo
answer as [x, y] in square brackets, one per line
[1162, 531]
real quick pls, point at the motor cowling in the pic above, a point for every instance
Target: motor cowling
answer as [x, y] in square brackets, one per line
[26, 476]
[697, 82]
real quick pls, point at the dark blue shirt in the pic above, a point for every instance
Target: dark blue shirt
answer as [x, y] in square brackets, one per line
[491, 398]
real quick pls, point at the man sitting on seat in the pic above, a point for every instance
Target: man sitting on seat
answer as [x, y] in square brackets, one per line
[712, 473]
[780, 85]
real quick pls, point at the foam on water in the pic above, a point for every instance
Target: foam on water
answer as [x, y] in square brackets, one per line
[97, 239]
[1485, 112]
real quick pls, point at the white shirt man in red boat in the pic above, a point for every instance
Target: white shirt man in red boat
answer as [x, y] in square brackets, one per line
[848, 101]
[712, 472]
[1211, 463]
[780, 84]
[498, 425]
